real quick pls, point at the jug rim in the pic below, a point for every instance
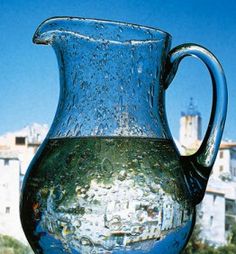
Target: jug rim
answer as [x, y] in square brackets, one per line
[164, 34]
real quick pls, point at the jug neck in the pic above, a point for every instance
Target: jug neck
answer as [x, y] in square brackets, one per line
[109, 87]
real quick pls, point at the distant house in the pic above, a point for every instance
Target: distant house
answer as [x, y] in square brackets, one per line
[217, 211]
[16, 152]
[9, 194]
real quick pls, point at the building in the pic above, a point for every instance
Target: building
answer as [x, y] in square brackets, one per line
[225, 165]
[9, 195]
[217, 211]
[221, 196]
[16, 152]
[211, 217]
[190, 127]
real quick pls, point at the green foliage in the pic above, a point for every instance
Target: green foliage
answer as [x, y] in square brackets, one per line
[9, 245]
[194, 242]
[232, 235]
[196, 246]
[228, 249]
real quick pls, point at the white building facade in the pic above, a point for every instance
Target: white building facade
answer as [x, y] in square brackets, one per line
[211, 217]
[16, 152]
[9, 195]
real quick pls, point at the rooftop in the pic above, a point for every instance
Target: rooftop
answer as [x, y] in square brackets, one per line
[227, 144]
[9, 155]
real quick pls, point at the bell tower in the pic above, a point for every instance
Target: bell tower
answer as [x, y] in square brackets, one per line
[190, 127]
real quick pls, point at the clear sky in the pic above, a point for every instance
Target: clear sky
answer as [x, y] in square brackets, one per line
[29, 75]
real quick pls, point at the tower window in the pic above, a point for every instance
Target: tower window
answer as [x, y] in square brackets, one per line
[221, 168]
[20, 141]
[221, 154]
[6, 162]
[211, 220]
[214, 198]
[7, 210]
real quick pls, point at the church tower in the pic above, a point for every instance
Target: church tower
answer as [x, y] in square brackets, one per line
[190, 127]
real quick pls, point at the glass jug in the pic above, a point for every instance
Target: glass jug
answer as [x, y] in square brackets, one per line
[108, 178]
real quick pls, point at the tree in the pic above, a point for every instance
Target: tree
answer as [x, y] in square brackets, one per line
[232, 234]
[227, 249]
[9, 245]
[194, 242]
[196, 246]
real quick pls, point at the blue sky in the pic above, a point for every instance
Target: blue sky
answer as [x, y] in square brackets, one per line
[29, 75]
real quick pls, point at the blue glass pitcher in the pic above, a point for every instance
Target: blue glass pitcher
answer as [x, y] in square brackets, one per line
[108, 177]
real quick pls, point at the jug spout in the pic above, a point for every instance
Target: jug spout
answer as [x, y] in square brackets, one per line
[45, 33]
[52, 29]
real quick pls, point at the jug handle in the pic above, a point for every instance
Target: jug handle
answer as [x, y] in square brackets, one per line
[198, 166]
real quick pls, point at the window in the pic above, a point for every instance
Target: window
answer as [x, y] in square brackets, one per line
[214, 198]
[211, 220]
[233, 154]
[221, 154]
[233, 171]
[229, 221]
[221, 168]
[20, 141]
[7, 209]
[230, 206]
[227, 226]
[6, 162]
[200, 214]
